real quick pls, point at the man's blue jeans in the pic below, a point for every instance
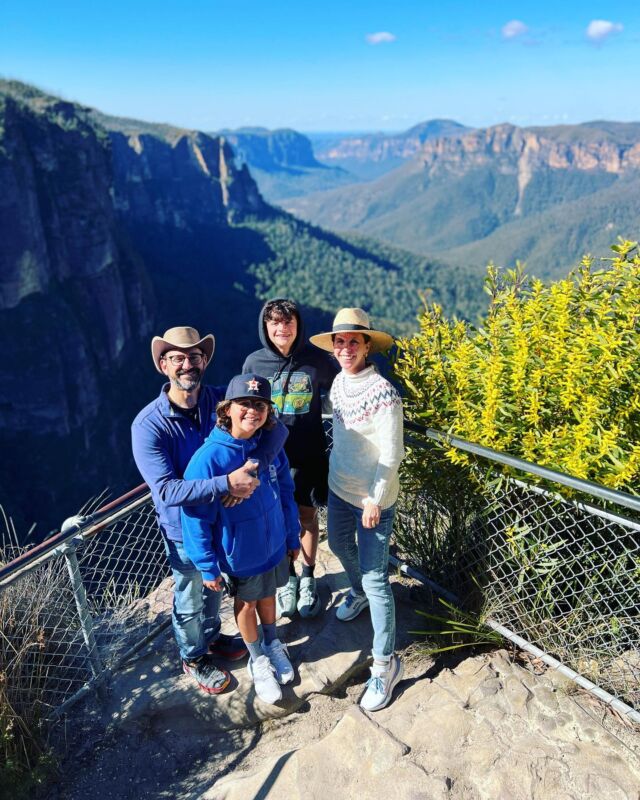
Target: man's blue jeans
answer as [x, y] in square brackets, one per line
[367, 565]
[196, 609]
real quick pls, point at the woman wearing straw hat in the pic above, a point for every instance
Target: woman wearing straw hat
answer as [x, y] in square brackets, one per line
[363, 487]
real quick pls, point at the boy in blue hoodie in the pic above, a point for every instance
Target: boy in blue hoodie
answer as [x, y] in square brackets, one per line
[250, 542]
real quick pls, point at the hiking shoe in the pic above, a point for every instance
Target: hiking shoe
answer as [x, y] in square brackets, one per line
[286, 598]
[278, 655]
[231, 648]
[353, 604]
[309, 601]
[262, 674]
[381, 684]
[210, 679]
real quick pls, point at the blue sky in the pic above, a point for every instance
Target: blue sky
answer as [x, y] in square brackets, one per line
[335, 66]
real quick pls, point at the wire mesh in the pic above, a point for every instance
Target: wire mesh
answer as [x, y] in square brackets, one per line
[42, 652]
[561, 573]
[44, 659]
[126, 577]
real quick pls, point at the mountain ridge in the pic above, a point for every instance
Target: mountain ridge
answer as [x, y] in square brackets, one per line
[463, 189]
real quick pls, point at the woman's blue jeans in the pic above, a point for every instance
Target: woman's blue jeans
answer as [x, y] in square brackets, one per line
[196, 609]
[366, 562]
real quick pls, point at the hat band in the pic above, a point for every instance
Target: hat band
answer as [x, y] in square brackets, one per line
[347, 327]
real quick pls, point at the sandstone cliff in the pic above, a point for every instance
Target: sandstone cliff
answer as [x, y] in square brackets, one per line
[77, 296]
[524, 151]
[63, 254]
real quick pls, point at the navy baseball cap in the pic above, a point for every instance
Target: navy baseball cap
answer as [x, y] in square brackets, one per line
[249, 385]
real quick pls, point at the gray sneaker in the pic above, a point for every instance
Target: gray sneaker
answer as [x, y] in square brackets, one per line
[210, 678]
[264, 680]
[309, 601]
[353, 604]
[286, 598]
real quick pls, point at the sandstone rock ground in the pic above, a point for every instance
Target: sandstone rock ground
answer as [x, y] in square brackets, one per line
[460, 727]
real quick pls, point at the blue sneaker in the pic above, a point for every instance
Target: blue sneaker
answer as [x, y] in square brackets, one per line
[286, 598]
[309, 603]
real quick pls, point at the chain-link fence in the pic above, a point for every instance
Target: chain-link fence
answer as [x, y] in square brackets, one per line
[72, 607]
[556, 569]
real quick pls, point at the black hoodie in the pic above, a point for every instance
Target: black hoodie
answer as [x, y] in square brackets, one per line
[297, 382]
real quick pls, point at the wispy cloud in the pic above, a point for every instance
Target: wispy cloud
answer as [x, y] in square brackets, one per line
[381, 37]
[600, 29]
[513, 29]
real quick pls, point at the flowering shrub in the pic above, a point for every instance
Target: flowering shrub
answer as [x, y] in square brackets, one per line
[552, 374]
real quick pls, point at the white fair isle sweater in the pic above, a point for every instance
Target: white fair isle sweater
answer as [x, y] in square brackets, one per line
[367, 439]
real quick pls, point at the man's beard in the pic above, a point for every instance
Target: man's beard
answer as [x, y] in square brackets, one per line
[187, 381]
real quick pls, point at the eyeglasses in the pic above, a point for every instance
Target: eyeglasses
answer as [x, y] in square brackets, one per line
[195, 359]
[258, 405]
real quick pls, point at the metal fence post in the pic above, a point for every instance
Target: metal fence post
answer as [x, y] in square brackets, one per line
[86, 620]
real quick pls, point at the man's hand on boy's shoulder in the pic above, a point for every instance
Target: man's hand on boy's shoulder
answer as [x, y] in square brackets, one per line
[242, 482]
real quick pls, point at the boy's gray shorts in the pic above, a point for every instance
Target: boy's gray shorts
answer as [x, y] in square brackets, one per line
[257, 587]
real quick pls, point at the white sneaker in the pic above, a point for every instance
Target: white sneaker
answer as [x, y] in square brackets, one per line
[352, 605]
[278, 655]
[262, 675]
[381, 684]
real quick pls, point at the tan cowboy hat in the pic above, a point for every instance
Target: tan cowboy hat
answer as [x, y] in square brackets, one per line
[181, 338]
[353, 320]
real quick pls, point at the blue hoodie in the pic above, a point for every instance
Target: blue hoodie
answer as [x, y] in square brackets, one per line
[251, 537]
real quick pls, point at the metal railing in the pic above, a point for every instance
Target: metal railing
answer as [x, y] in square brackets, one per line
[73, 608]
[558, 571]
[557, 562]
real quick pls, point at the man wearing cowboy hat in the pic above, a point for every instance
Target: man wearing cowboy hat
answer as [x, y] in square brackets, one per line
[165, 434]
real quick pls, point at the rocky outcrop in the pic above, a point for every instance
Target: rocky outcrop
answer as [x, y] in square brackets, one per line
[484, 730]
[182, 181]
[458, 728]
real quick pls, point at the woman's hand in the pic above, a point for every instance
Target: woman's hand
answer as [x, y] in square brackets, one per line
[371, 515]
[215, 586]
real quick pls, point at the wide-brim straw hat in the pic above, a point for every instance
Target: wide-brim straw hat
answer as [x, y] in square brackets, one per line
[353, 320]
[181, 338]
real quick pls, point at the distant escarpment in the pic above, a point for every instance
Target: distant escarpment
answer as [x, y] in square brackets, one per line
[546, 195]
[282, 162]
[373, 154]
[271, 150]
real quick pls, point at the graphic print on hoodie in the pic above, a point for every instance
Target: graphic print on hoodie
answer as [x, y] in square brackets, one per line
[297, 384]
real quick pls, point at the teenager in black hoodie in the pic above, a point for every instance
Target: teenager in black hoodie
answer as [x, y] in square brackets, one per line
[299, 374]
